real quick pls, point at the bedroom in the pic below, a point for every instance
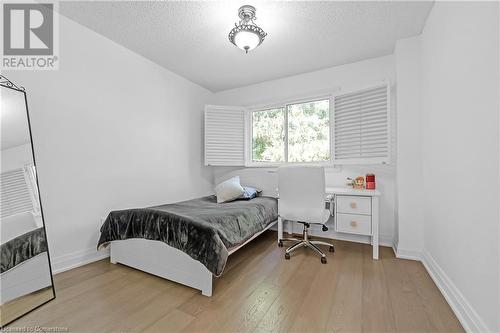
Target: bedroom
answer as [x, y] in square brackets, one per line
[125, 119]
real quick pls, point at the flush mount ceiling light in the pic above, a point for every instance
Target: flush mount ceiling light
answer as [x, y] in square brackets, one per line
[247, 35]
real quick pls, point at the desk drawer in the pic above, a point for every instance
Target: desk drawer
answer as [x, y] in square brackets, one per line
[354, 224]
[348, 204]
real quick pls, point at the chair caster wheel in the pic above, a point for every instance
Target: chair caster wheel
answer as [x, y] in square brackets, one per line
[287, 256]
[331, 249]
[280, 243]
[323, 260]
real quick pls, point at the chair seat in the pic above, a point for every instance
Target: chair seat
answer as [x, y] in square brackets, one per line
[324, 218]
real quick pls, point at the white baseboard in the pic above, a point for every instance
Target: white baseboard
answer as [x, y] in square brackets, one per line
[465, 313]
[407, 254]
[395, 247]
[76, 259]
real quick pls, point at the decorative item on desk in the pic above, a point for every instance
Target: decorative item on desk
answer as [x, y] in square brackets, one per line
[357, 183]
[350, 182]
[370, 181]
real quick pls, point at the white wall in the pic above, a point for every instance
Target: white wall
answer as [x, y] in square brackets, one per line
[410, 229]
[16, 157]
[346, 77]
[460, 55]
[111, 130]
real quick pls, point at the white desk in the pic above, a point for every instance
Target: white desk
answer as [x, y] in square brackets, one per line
[355, 212]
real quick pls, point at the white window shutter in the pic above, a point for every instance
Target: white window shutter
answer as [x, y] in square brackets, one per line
[16, 194]
[224, 135]
[361, 126]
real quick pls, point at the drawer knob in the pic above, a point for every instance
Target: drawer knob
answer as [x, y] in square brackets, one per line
[353, 205]
[354, 224]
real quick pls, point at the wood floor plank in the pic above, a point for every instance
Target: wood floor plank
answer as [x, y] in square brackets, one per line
[82, 273]
[246, 273]
[260, 292]
[15, 308]
[408, 309]
[437, 309]
[174, 321]
[287, 270]
[377, 307]
[280, 315]
[99, 287]
[151, 312]
[115, 302]
[242, 287]
[346, 312]
[248, 315]
[155, 298]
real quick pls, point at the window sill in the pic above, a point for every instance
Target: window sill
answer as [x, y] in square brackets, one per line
[328, 165]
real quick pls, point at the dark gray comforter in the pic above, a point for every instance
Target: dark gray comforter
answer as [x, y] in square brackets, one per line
[201, 228]
[22, 248]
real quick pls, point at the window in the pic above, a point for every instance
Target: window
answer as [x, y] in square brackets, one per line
[309, 131]
[268, 135]
[352, 127]
[293, 133]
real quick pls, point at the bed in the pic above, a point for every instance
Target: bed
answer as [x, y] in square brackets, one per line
[24, 265]
[187, 242]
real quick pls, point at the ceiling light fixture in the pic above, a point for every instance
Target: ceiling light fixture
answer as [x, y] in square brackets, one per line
[246, 35]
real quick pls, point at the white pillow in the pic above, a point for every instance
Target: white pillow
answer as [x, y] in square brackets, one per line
[229, 190]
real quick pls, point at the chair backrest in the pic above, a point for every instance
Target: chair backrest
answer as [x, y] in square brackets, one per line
[302, 193]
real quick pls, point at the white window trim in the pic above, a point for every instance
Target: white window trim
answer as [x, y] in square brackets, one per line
[283, 104]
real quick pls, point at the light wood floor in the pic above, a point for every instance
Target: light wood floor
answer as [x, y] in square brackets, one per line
[259, 292]
[13, 309]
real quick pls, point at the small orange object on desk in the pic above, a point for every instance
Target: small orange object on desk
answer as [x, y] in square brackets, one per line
[359, 183]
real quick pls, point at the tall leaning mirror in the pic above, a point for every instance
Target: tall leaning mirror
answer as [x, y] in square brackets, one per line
[25, 276]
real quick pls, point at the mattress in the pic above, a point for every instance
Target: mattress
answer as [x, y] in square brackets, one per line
[201, 228]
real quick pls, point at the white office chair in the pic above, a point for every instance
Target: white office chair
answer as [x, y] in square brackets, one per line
[302, 199]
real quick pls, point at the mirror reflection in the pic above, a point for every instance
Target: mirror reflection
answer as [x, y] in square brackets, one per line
[25, 275]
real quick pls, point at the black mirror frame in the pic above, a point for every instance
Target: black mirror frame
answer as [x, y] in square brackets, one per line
[6, 83]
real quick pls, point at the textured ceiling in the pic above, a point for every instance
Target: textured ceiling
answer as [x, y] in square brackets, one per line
[190, 38]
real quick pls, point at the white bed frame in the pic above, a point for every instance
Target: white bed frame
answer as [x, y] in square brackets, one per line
[30, 275]
[27, 277]
[160, 259]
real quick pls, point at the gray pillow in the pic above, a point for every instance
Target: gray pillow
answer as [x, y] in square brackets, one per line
[249, 193]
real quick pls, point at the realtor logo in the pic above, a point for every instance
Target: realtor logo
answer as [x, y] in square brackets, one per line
[29, 36]
[28, 29]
